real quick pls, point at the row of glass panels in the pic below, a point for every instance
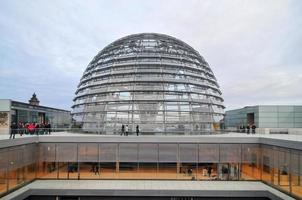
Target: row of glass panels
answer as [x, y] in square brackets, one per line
[279, 167]
[150, 76]
[147, 79]
[141, 96]
[194, 128]
[157, 59]
[144, 106]
[145, 117]
[144, 48]
[151, 68]
[175, 71]
[148, 86]
[159, 108]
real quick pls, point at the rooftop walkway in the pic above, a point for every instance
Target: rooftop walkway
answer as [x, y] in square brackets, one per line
[228, 135]
[283, 140]
[148, 188]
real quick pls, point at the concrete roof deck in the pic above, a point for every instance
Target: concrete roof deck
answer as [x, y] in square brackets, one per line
[287, 141]
[148, 188]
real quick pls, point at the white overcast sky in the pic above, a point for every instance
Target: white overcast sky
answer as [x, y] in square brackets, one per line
[254, 47]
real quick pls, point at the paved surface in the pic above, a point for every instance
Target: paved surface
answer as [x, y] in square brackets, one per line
[227, 135]
[287, 141]
[148, 188]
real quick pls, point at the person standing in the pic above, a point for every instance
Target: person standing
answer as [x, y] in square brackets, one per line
[92, 167]
[123, 129]
[96, 170]
[46, 129]
[127, 130]
[37, 128]
[253, 129]
[26, 131]
[31, 128]
[137, 130]
[49, 128]
[248, 129]
[14, 128]
[21, 128]
[209, 171]
[42, 129]
[241, 128]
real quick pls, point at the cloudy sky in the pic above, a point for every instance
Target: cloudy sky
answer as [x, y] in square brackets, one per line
[254, 47]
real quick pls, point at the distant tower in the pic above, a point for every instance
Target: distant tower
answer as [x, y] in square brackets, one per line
[34, 100]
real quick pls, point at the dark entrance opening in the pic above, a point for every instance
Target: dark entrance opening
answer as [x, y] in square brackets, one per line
[41, 118]
[250, 118]
[14, 116]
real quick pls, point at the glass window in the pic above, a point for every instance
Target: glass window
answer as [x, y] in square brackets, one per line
[188, 153]
[125, 96]
[3, 173]
[107, 153]
[148, 170]
[119, 107]
[250, 167]
[228, 171]
[128, 170]
[207, 171]
[297, 190]
[47, 167]
[89, 170]
[148, 153]
[284, 165]
[128, 153]
[68, 170]
[295, 178]
[108, 170]
[167, 170]
[267, 164]
[168, 153]
[230, 153]
[66, 152]
[88, 152]
[187, 171]
[208, 153]
[16, 170]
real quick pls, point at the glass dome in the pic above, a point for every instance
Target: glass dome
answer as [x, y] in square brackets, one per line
[151, 80]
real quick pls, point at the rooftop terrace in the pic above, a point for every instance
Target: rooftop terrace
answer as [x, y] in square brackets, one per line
[272, 162]
[141, 188]
[282, 140]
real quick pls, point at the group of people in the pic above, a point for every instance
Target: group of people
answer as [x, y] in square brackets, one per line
[30, 128]
[73, 167]
[125, 130]
[243, 129]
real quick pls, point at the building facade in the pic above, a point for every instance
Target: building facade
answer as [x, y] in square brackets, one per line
[153, 81]
[265, 116]
[276, 162]
[14, 111]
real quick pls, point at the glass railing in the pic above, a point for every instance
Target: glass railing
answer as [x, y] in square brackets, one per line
[276, 166]
[95, 131]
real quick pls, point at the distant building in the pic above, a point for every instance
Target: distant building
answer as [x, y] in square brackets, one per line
[34, 100]
[14, 111]
[272, 117]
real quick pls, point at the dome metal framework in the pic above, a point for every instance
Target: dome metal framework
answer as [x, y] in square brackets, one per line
[152, 80]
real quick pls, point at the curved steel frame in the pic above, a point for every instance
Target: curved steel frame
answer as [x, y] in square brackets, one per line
[152, 80]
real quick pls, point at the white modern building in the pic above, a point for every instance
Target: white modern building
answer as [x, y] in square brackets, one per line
[267, 118]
